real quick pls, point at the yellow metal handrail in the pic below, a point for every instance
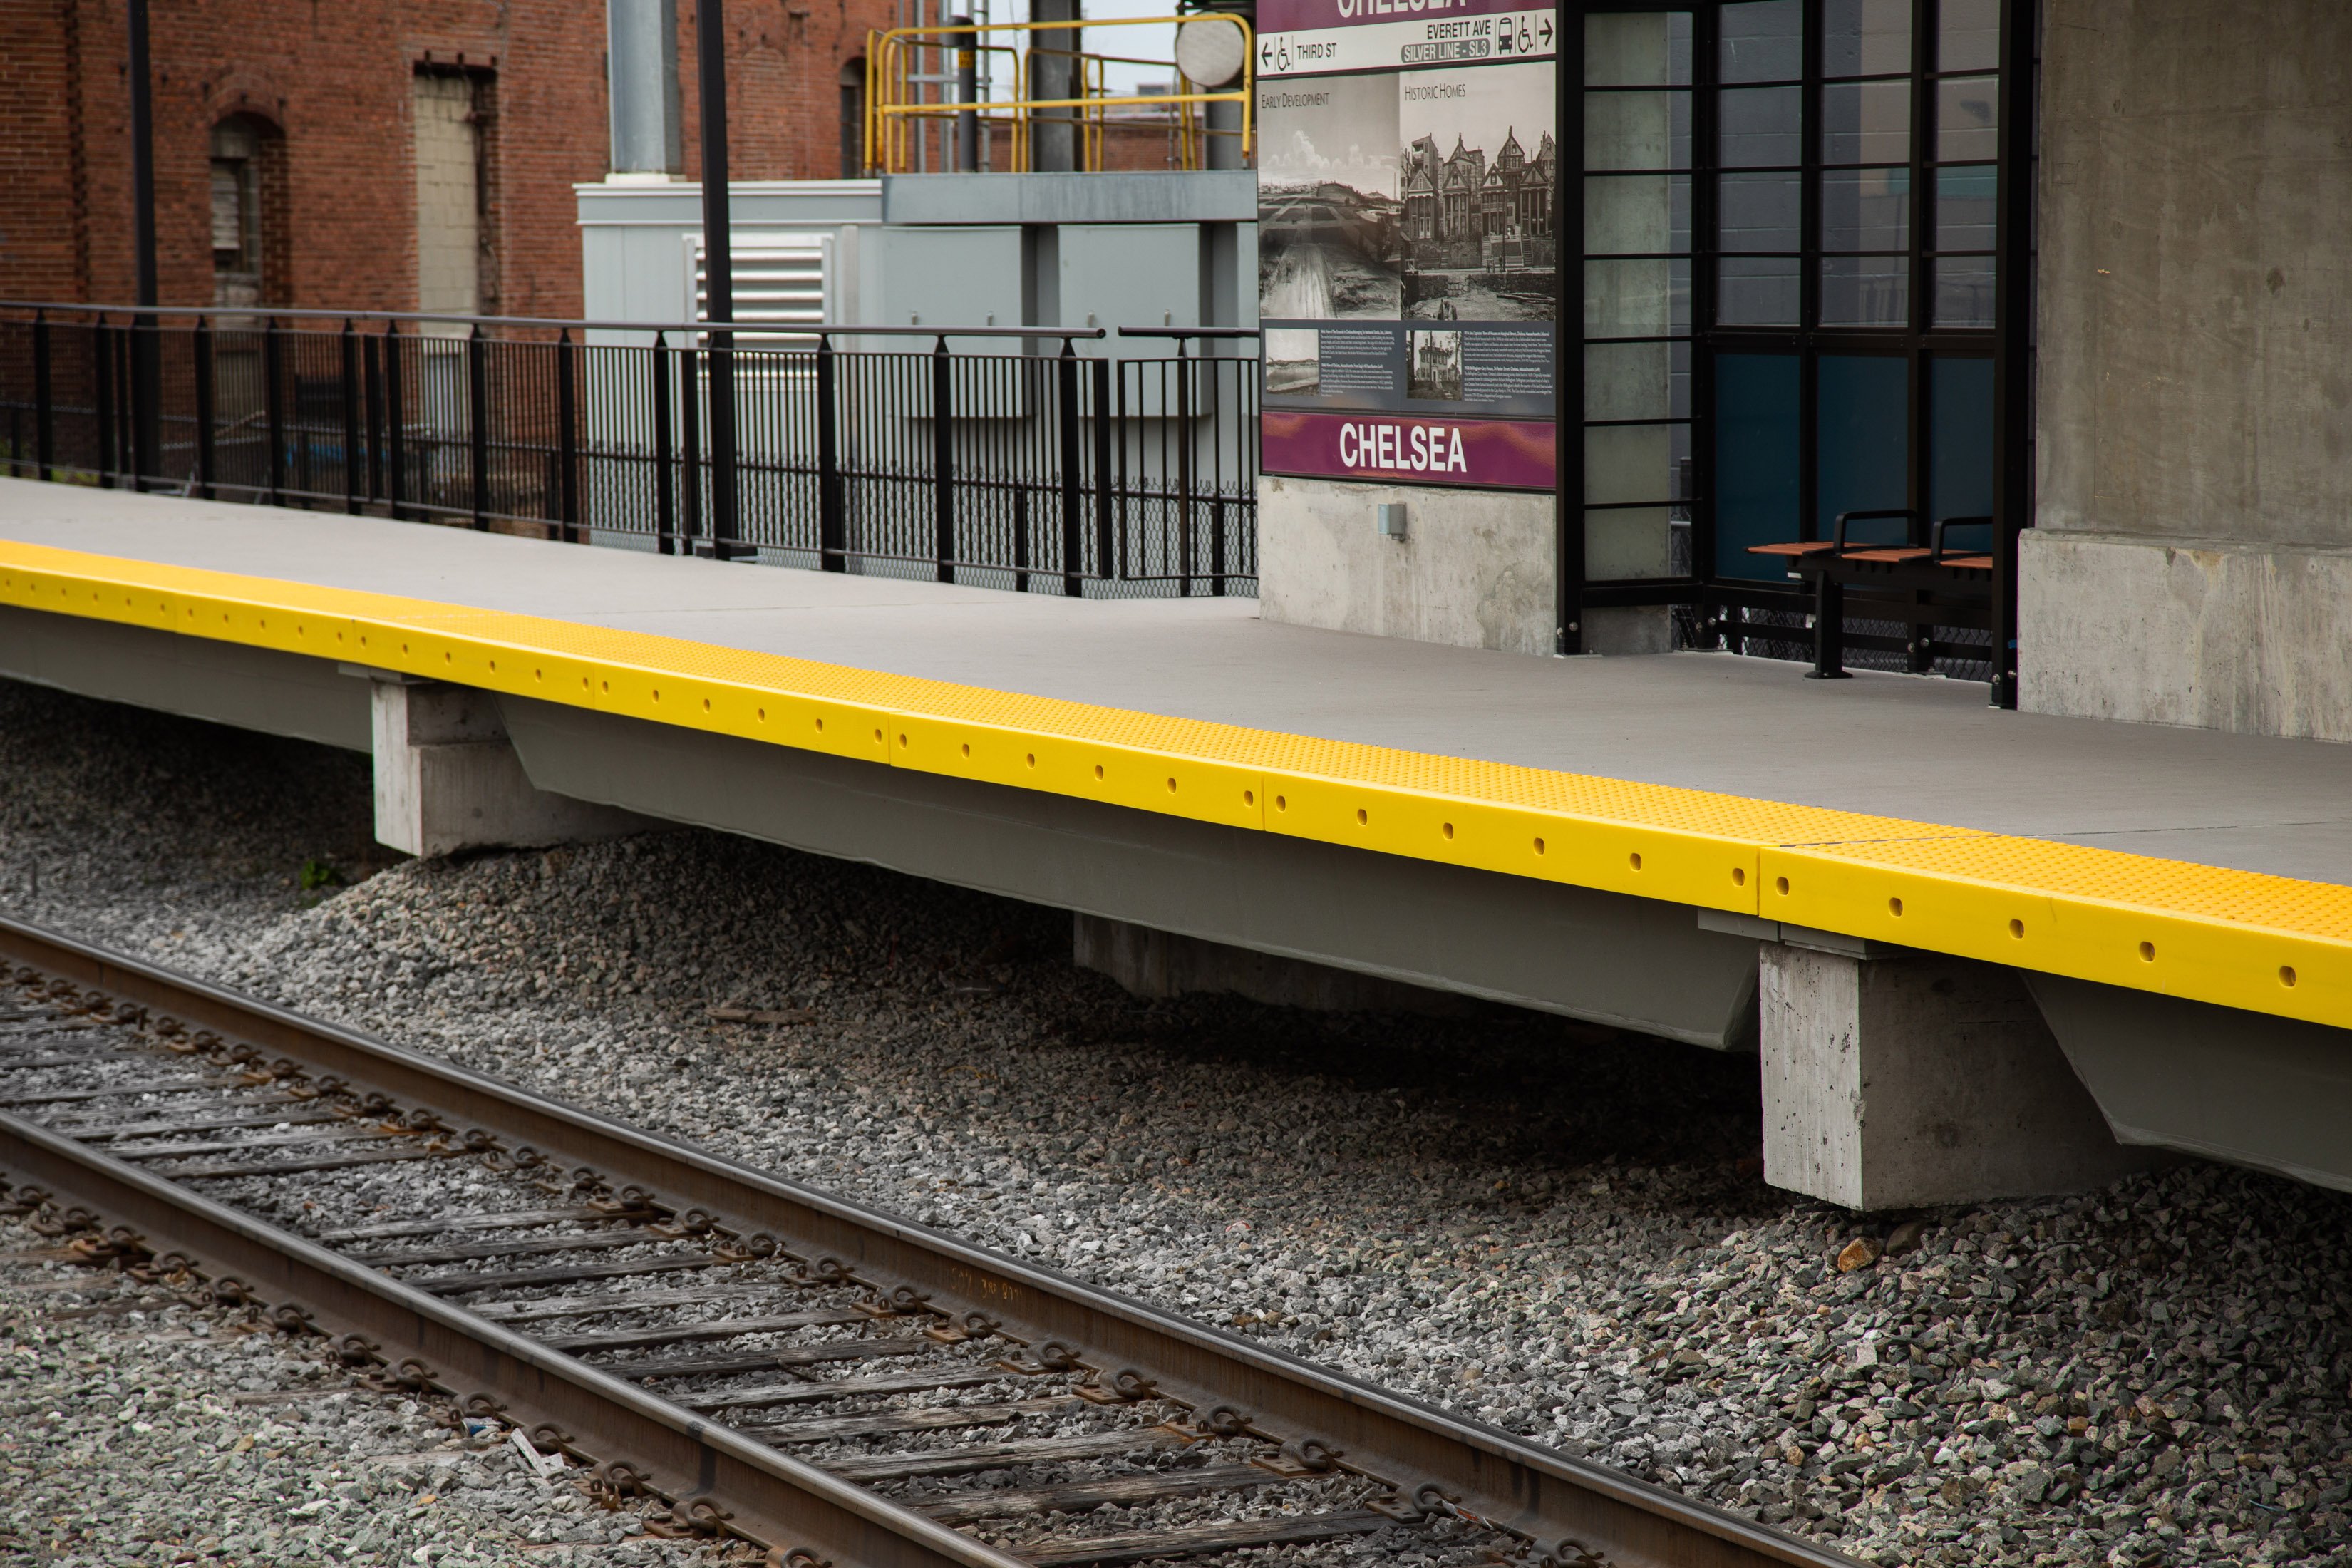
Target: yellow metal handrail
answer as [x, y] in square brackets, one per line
[896, 107]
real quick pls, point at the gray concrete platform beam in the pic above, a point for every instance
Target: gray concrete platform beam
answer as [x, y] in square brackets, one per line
[1626, 963]
[2272, 1094]
[1158, 964]
[250, 688]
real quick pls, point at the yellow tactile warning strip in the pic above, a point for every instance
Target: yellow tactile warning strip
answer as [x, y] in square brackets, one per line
[2271, 944]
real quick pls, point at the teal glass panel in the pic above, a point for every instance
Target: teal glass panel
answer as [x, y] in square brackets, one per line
[1965, 206]
[1959, 444]
[1864, 447]
[1755, 461]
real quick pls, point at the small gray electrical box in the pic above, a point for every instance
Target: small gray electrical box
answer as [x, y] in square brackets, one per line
[1391, 514]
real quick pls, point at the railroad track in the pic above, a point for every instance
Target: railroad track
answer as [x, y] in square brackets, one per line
[832, 1383]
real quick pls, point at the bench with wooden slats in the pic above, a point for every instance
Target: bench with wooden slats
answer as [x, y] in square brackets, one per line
[1831, 564]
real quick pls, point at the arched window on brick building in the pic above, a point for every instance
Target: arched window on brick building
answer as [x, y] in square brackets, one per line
[853, 118]
[249, 217]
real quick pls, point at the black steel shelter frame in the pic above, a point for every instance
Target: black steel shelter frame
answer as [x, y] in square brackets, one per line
[2007, 341]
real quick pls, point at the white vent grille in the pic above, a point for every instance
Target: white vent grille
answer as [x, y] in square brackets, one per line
[782, 281]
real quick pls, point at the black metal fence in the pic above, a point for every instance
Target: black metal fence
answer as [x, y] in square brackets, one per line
[1028, 460]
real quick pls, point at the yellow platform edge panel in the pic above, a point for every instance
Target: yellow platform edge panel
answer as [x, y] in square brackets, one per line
[2269, 944]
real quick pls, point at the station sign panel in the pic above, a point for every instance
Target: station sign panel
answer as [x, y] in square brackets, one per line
[1408, 268]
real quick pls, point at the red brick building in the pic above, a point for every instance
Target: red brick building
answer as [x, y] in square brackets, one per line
[367, 154]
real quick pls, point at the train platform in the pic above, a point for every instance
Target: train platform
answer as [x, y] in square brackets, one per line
[1606, 837]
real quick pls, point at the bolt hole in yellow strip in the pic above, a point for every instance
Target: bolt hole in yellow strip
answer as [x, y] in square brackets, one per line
[2271, 945]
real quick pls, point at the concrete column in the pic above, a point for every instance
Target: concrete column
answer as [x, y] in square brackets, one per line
[446, 777]
[1898, 1082]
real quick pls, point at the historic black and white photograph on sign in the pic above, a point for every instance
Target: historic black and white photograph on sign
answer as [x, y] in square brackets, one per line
[1294, 361]
[1475, 174]
[1328, 209]
[1436, 366]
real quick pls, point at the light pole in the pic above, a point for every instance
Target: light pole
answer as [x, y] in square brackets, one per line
[146, 378]
[717, 269]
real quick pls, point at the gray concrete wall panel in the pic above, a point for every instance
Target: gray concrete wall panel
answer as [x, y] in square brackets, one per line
[2195, 367]
[1130, 275]
[1607, 959]
[2217, 635]
[951, 276]
[1474, 569]
[2196, 289]
[2246, 1087]
[251, 688]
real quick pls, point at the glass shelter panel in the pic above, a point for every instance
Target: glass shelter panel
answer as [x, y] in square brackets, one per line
[1640, 220]
[1792, 233]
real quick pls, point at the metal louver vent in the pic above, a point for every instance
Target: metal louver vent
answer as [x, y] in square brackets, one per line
[782, 281]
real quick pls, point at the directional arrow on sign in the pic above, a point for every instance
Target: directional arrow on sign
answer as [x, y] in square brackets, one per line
[1264, 57]
[1547, 32]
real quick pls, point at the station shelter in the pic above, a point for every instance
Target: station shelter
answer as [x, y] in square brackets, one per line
[2055, 290]
[1796, 306]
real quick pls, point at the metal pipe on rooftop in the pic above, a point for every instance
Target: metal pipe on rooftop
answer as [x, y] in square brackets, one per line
[1053, 141]
[967, 124]
[641, 70]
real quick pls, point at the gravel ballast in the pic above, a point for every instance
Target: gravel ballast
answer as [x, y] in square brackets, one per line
[144, 1423]
[1540, 1225]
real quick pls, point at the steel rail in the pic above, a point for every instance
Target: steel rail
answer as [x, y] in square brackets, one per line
[754, 1490]
[1569, 1510]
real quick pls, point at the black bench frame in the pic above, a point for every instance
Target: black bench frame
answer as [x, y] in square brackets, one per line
[1940, 587]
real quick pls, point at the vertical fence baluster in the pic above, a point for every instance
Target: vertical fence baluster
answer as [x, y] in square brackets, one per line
[371, 420]
[101, 359]
[350, 345]
[567, 436]
[1020, 538]
[1074, 540]
[396, 423]
[1184, 436]
[44, 406]
[665, 467]
[943, 539]
[301, 429]
[207, 450]
[690, 420]
[135, 412]
[1105, 560]
[832, 502]
[126, 370]
[478, 423]
[274, 399]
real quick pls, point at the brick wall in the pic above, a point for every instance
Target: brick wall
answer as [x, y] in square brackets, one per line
[340, 88]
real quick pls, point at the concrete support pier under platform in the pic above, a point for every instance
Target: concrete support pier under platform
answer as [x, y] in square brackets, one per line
[1323, 818]
[1900, 1081]
[446, 776]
